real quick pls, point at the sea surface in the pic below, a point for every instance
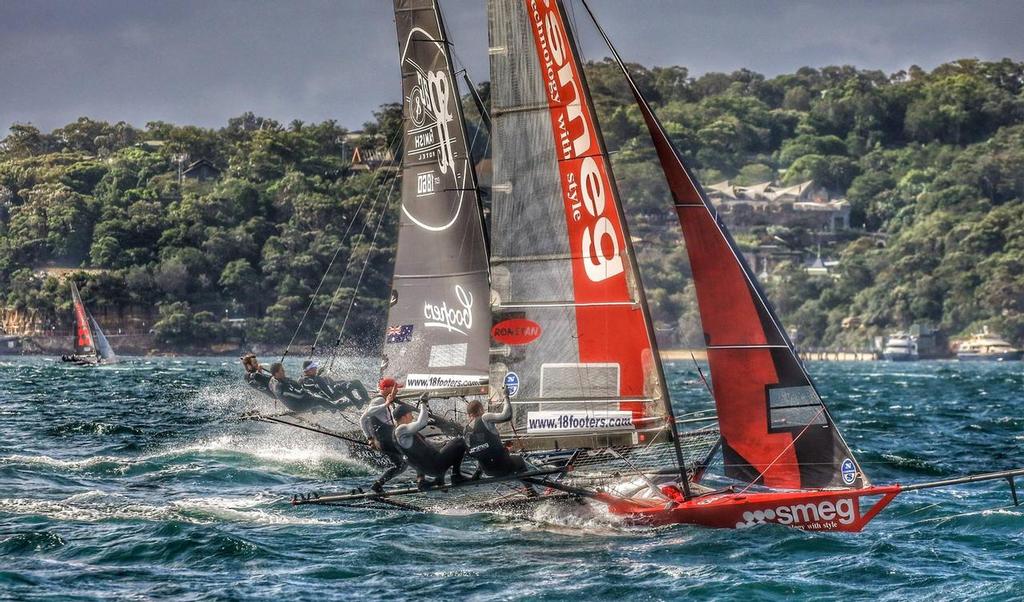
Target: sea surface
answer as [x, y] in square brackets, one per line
[135, 481]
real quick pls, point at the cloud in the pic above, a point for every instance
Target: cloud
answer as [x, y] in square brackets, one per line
[198, 62]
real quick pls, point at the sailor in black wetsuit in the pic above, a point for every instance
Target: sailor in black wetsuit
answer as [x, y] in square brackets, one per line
[255, 376]
[339, 391]
[423, 456]
[293, 395]
[484, 444]
[379, 426]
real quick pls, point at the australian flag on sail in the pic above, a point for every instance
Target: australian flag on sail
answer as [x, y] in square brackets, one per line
[399, 334]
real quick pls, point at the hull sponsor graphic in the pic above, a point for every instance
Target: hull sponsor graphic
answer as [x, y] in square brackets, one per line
[457, 317]
[430, 138]
[517, 331]
[569, 421]
[512, 384]
[399, 334]
[823, 515]
[443, 381]
[608, 333]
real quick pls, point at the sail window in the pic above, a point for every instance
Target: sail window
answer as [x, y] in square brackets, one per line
[568, 379]
[794, 406]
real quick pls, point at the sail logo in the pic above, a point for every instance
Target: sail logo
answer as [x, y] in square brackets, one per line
[517, 331]
[433, 135]
[512, 384]
[821, 515]
[584, 179]
[453, 319]
[849, 471]
[430, 103]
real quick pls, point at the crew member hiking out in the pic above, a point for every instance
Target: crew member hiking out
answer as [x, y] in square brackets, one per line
[293, 395]
[343, 392]
[423, 456]
[484, 443]
[255, 376]
[379, 427]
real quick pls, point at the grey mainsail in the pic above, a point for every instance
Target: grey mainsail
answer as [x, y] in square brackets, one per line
[439, 322]
[572, 335]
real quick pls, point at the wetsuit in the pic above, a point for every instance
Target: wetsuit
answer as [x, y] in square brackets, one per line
[485, 446]
[425, 457]
[377, 424]
[296, 398]
[260, 381]
[339, 391]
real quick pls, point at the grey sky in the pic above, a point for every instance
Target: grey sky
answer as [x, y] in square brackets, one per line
[201, 62]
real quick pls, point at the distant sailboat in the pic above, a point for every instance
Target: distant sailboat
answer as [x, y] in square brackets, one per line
[91, 346]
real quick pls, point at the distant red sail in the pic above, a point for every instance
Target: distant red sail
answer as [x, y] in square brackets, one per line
[84, 342]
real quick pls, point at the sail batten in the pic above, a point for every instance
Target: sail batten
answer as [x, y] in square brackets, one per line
[438, 321]
[775, 429]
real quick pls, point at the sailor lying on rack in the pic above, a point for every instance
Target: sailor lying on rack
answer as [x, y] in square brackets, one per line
[379, 428]
[484, 443]
[345, 392]
[255, 376]
[423, 456]
[294, 396]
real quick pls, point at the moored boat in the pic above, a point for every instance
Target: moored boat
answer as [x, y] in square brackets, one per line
[987, 347]
[900, 347]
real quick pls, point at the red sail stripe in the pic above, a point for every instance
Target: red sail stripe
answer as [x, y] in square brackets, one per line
[615, 334]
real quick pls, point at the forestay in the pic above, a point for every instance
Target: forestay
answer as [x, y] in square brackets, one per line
[438, 323]
[775, 429]
[572, 340]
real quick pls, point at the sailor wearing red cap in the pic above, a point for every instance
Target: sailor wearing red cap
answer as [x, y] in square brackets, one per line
[379, 426]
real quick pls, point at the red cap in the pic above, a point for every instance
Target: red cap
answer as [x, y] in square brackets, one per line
[387, 383]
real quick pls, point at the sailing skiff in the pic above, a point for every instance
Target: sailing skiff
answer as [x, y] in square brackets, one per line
[569, 336]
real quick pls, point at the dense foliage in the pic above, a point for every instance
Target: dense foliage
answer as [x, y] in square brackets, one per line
[932, 163]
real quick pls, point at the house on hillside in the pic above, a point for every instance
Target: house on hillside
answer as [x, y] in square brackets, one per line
[201, 171]
[768, 204]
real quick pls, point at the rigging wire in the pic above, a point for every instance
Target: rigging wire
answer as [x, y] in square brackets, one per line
[362, 272]
[350, 263]
[341, 245]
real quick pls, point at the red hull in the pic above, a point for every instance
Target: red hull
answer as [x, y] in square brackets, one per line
[836, 510]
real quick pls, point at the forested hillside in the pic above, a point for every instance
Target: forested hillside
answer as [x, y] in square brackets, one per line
[931, 163]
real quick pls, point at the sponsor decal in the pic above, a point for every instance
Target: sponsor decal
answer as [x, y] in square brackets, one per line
[399, 334]
[431, 134]
[826, 514]
[394, 296]
[512, 383]
[517, 331]
[585, 182]
[442, 381]
[455, 318]
[849, 471]
[552, 421]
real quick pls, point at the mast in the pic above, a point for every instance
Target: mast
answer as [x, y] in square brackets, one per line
[438, 322]
[775, 428]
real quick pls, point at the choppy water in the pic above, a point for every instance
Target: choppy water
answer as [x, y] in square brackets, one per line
[131, 481]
